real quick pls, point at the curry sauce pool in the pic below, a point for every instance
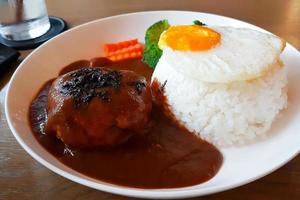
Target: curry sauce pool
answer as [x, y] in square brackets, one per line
[166, 156]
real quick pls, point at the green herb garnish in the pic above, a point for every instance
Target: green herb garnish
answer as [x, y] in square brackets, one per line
[152, 52]
[197, 22]
[152, 55]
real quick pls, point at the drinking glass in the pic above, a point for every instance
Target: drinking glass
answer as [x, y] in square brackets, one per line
[23, 19]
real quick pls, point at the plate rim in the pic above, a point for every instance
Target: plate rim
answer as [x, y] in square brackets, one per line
[123, 190]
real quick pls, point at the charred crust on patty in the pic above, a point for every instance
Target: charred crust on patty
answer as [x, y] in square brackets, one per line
[86, 83]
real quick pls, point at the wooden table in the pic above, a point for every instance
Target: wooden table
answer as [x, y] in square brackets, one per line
[21, 177]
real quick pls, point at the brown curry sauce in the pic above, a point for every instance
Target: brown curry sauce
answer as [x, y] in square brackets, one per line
[167, 156]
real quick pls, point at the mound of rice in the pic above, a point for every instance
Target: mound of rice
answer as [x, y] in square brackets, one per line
[224, 114]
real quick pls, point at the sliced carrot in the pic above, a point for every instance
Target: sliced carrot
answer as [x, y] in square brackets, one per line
[128, 49]
[126, 55]
[133, 48]
[111, 47]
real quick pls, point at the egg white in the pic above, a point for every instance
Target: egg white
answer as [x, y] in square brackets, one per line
[242, 54]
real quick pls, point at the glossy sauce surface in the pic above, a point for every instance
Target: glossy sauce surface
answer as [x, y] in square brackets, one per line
[166, 156]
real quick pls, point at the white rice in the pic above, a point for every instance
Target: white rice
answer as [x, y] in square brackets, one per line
[225, 114]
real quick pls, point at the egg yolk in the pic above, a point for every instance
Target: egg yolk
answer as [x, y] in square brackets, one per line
[189, 38]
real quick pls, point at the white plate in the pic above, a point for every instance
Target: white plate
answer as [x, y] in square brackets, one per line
[241, 164]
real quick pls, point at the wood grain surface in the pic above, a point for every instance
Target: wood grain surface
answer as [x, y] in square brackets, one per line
[21, 177]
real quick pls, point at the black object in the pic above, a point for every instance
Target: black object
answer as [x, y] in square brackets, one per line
[57, 25]
[7, 57]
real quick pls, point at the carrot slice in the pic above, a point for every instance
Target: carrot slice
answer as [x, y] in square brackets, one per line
[136, 47]
[126, 55]
[111, 47]
[128, 49]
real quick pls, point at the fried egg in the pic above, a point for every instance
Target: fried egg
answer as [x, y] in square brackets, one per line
[220, 54]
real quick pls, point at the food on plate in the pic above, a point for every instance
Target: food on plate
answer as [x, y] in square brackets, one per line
[230, 82]
[220, 54]
[98, 106]
[124, 50]
[210, 86]
[163, 156]
[152, 51]
[198, 22]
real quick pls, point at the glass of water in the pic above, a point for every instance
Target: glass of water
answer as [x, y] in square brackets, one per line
[23, 19]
